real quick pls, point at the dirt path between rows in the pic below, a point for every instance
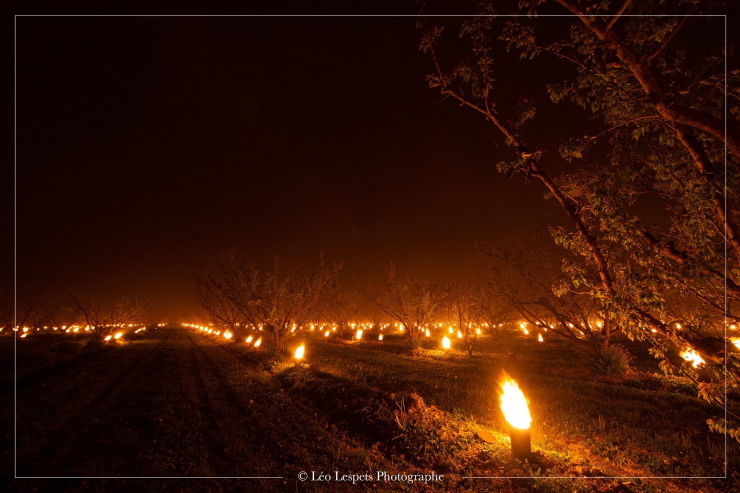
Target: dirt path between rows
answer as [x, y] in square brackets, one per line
[172, 404]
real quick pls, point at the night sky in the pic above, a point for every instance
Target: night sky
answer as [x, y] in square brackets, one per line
[145, 144]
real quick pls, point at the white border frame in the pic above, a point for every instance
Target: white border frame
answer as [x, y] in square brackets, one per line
[15, 231]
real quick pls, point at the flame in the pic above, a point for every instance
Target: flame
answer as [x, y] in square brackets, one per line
[249, 339]
[446, 342]
[428, 334]
[459, 334]
[258, 342]
[736, 342]
[300, 352]
[526, 332]
[690, 355]
[380, 337]
[477, 331]
[108, 338]
[358, 334]
[449, 329]
[539, 338]
[514, 404]
[326, 334]
[118, 335]
[228, 335]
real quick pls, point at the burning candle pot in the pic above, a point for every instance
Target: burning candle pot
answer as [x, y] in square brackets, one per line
[298, 355]
[516, 411]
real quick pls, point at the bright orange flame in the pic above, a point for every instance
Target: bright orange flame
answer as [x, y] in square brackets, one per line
[118, 335]
[326, 334]
[258, 342]
[514, 404]
[228, 335]
[249, 339]
[446, 342]
[690, 355]
[380, 337]
[358, 334]
[300, 351]
[107, 338]
[539, 338]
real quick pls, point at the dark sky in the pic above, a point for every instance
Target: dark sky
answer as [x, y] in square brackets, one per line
[145, 144]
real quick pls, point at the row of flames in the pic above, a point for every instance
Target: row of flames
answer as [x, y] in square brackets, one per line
[25, 331]
[227, 334]
[688, 354]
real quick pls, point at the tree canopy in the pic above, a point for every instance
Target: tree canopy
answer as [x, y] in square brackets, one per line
[665, 116]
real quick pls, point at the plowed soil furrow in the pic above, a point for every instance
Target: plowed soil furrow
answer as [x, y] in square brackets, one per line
[175, 404]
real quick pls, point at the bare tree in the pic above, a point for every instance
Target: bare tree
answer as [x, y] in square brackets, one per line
[277, 303]
[412, 301]
[462, 307]
[539, 291]
[494, 306]
[342, 307]
[101, 318]
[217, 308]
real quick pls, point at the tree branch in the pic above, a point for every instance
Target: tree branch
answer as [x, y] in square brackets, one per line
[640, 69]
[618, 14]
[666, 41]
